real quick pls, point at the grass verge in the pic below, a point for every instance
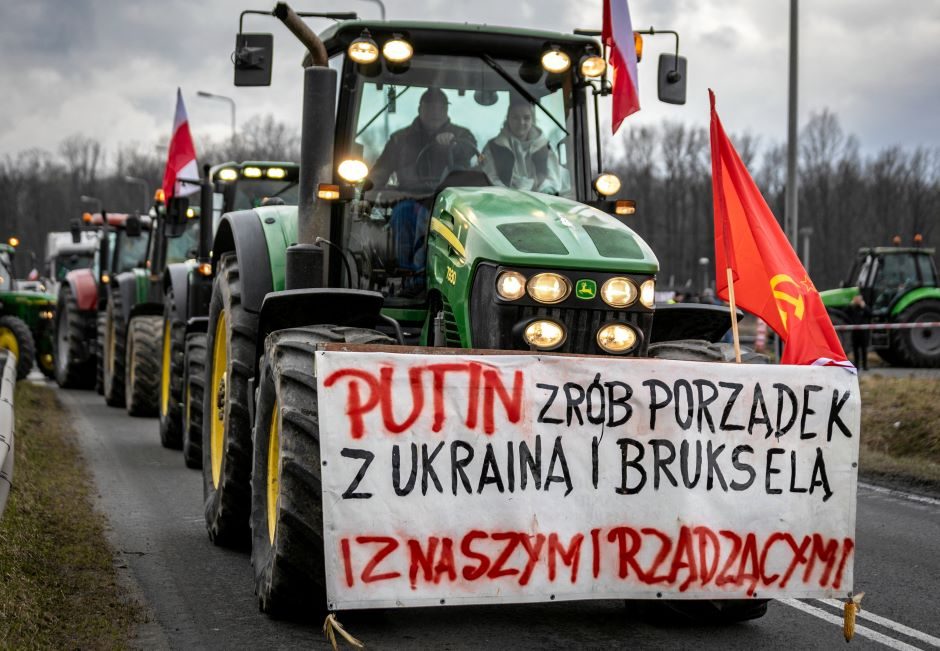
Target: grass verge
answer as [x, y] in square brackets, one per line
[58, 587]
[901, 429]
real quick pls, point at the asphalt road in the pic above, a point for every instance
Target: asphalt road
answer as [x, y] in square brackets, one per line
[201, 597]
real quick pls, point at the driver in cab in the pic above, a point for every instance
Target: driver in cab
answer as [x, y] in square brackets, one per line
[422, 152]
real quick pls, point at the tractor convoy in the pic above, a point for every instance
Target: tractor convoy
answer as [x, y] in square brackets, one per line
[207, 312]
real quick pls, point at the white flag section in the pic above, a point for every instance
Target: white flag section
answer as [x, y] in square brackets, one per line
[471, 479]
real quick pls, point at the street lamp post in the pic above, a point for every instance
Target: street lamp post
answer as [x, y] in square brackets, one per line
[703, 263]
[136, 180]
[223, 98]
[806, 232]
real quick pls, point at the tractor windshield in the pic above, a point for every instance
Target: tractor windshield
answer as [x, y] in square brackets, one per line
[185, 246]
[69, 261]
[251, 193]
[131, 252]
[507, 119]
[459, 120]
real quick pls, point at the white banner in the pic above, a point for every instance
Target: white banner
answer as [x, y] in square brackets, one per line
[474, 479]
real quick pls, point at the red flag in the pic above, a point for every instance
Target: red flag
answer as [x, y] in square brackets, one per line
[617, 34]
[181, 156]
[769, 279]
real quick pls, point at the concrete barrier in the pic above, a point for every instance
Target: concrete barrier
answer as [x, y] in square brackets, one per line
[7, 382]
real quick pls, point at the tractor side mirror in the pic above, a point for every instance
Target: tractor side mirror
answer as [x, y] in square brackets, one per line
[75, 227]
[133, 226]
[672, 78]
[253, 57]
[177, 211]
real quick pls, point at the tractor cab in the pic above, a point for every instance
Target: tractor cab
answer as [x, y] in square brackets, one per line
[885, 274]
[243, 186]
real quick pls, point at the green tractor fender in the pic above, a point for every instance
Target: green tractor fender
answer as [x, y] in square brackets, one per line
[176, 278]
[838, 299]
[132, 287]
[912, 297]
[247, 233]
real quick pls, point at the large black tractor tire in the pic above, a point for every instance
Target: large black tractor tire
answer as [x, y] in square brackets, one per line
[71, 326]
[226, 426]
[288, 557]
[699, 350]
[919, 347]
[171, 375]
[194, 383]
[142, 367]
[16, 337]
[102, 321]
[115, 340]
[719, 611]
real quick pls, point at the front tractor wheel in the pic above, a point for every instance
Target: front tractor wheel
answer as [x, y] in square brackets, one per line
[115, 340]
[142, 366]
[226, 426]
[171, 376]
[286, 503]
[194, 384]
[718, 611]
[16, 337]
[70, 334]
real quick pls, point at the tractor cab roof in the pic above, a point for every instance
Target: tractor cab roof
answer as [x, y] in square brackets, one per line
[892, 250]
[436, 37]
[117, 219]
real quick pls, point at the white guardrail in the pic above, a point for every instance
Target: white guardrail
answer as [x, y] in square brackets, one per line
[7, 382]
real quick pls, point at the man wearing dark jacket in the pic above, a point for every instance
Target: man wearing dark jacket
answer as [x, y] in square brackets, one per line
[419, 153]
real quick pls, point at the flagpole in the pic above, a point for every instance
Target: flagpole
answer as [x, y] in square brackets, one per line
[734, 317]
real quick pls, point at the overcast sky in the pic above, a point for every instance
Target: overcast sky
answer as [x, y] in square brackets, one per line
[109, 68]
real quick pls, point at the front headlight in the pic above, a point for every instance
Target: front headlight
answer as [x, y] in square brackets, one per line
[619, 292]
[510, 285]
[648, 293]
[616, 338]
[544, 334]
[549, 288]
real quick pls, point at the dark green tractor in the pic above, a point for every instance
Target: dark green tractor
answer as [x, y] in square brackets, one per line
[187, 288]
[133, 323]
[438, 252]
[26, 321]
[899, 285]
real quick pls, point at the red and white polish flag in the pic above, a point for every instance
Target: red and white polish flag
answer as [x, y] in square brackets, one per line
[181, 156]
[617, 34]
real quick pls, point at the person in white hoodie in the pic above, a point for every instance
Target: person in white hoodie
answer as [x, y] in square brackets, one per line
[520, 156]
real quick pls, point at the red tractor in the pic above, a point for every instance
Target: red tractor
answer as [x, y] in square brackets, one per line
[82, 296]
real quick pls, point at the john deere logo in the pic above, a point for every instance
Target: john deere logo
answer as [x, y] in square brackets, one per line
[586, 288]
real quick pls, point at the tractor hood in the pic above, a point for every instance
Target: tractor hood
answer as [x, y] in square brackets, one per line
[530, 229]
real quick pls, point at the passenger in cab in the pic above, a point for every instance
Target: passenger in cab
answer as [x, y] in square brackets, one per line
[520, 156]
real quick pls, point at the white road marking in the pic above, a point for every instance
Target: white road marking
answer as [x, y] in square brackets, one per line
[859, 630]
[887, 623]
[901, 494]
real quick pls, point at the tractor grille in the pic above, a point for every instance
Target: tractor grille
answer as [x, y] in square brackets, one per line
[498, 325]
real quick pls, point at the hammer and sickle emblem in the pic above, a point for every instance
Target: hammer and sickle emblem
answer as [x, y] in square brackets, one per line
[781, 297]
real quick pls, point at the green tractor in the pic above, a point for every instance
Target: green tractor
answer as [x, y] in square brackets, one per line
[26, 319]
[187, 287]
[899, 285]
[133, 316]
[433, 250]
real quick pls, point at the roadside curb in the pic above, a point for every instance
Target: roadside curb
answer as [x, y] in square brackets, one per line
[7, 382]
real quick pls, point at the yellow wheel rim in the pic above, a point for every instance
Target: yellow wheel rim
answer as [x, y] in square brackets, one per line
[47, 361]
[8, 341]
[274, 471]
[217, 397]
[165, 373]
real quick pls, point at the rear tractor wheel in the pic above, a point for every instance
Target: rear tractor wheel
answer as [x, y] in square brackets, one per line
[115, 340]
[919, 347]
[194, 383]
[70, 327]
[142, 367]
